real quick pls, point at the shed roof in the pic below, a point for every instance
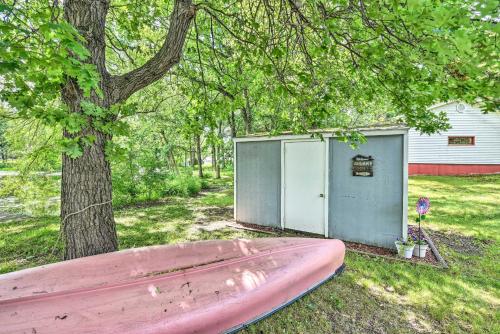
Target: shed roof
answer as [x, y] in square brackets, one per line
[375, 130]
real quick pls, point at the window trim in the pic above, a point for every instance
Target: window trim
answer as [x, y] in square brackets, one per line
[473, 142]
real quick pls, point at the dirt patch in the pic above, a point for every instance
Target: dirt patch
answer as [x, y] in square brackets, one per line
[429, 258]
[278, 231]
[218, 211]
[261, 228]
[459, 243]
[209, 214]
[369, 249]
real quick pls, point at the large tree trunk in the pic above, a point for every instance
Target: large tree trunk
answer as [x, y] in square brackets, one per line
[88, 226]
[87, 223]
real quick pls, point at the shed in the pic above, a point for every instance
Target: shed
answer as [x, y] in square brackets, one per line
[324, 186]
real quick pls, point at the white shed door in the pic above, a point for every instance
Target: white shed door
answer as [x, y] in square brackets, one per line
[304, 186]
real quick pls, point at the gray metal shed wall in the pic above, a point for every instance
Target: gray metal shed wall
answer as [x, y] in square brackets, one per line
[367, 209]
[258, 183]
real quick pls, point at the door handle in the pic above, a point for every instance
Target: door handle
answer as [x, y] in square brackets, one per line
[321, 195]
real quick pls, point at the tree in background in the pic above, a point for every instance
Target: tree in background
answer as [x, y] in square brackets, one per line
[74, 64]
[4, 148]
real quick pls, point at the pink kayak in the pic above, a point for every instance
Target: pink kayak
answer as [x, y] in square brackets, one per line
[199, 287]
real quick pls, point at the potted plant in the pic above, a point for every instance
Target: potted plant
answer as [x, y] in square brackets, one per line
[405, 247]
[421, 247]
[423, 206]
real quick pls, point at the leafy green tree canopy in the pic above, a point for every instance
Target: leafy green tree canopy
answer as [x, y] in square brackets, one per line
[313, 58]
[81, 65]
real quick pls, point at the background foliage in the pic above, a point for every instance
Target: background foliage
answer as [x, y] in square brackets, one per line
[247, 66]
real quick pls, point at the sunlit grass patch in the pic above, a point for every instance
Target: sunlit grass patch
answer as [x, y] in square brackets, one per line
[222, 198]
[465, 204]
[29, 243]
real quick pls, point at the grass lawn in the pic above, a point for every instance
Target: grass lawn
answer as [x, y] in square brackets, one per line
[373, 295]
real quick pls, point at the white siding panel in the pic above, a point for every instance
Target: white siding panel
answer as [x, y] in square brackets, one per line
[471, 122]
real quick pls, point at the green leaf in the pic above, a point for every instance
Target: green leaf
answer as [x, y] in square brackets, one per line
[92, 109]
[72, 148]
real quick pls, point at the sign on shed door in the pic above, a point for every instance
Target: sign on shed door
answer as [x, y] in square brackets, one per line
[304, 186]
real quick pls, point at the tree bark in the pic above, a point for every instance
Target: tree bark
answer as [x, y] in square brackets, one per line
[217, 166]
[192, 151]
[218, 151]
[232, 124]
[87, 222]
[174, 163]
[88, 225]
[214, 157]
[198, 156]
[247, 113]
[170, 54]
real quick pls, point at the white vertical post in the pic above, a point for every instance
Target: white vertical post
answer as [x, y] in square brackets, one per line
[327, 184]
[234, 181]
[405, 185]
[282, 204]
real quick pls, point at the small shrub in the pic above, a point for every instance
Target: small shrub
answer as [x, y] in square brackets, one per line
[204, 184]
[183, 185]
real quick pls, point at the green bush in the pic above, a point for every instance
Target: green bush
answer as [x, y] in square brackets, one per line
[135, 186]
[205, 184]
[182, 185]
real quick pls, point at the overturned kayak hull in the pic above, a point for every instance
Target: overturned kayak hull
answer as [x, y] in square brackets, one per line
[200, 287]
[291, 301]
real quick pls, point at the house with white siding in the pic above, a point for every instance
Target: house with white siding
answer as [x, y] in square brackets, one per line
[471, 146]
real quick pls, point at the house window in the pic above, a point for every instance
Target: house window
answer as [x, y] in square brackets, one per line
[461, 141]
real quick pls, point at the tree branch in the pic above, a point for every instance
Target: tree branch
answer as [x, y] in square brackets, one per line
[122, 86]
